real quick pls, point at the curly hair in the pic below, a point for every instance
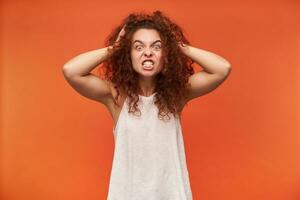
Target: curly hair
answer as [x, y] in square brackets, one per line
[171, 83]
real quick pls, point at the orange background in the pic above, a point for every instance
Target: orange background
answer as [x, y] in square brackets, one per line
[241, 140]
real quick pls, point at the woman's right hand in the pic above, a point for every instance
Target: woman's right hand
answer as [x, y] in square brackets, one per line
[116, 43]
[121, 33]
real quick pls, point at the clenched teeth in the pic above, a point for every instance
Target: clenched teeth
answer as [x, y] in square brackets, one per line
[148, 63]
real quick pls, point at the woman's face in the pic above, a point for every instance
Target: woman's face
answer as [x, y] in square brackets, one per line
[146, 45]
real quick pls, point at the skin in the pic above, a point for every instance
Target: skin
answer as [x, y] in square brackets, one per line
[77, 71]
[146, 44]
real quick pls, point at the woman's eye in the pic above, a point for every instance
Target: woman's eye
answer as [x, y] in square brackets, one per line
[157, 47]
[139, 47]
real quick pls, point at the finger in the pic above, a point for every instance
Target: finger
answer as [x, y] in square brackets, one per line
[122, 32]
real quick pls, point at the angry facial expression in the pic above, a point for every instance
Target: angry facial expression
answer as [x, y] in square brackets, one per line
[146, 52]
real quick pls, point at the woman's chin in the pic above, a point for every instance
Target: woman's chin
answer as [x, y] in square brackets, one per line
[147, 72]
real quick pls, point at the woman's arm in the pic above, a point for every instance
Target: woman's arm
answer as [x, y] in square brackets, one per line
[77, 72]
[84, 63]
[211, 62]
[216, 70]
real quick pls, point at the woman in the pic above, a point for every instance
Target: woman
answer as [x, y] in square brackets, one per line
[148, 80]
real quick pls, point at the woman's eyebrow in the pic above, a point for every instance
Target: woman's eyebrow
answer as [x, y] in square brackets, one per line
[143, 43]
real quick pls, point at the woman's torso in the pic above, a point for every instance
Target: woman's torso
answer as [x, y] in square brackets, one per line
[149, 158]
[115, 109]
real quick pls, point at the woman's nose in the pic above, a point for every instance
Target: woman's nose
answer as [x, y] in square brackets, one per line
[148, 52]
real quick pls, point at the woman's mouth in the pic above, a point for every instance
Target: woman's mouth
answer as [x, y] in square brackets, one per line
[148, 65]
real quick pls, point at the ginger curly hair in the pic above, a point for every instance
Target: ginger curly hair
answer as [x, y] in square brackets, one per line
[171, 83]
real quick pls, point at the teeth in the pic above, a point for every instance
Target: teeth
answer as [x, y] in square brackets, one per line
[148, 63]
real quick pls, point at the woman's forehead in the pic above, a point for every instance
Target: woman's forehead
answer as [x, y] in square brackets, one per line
[146, 36]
